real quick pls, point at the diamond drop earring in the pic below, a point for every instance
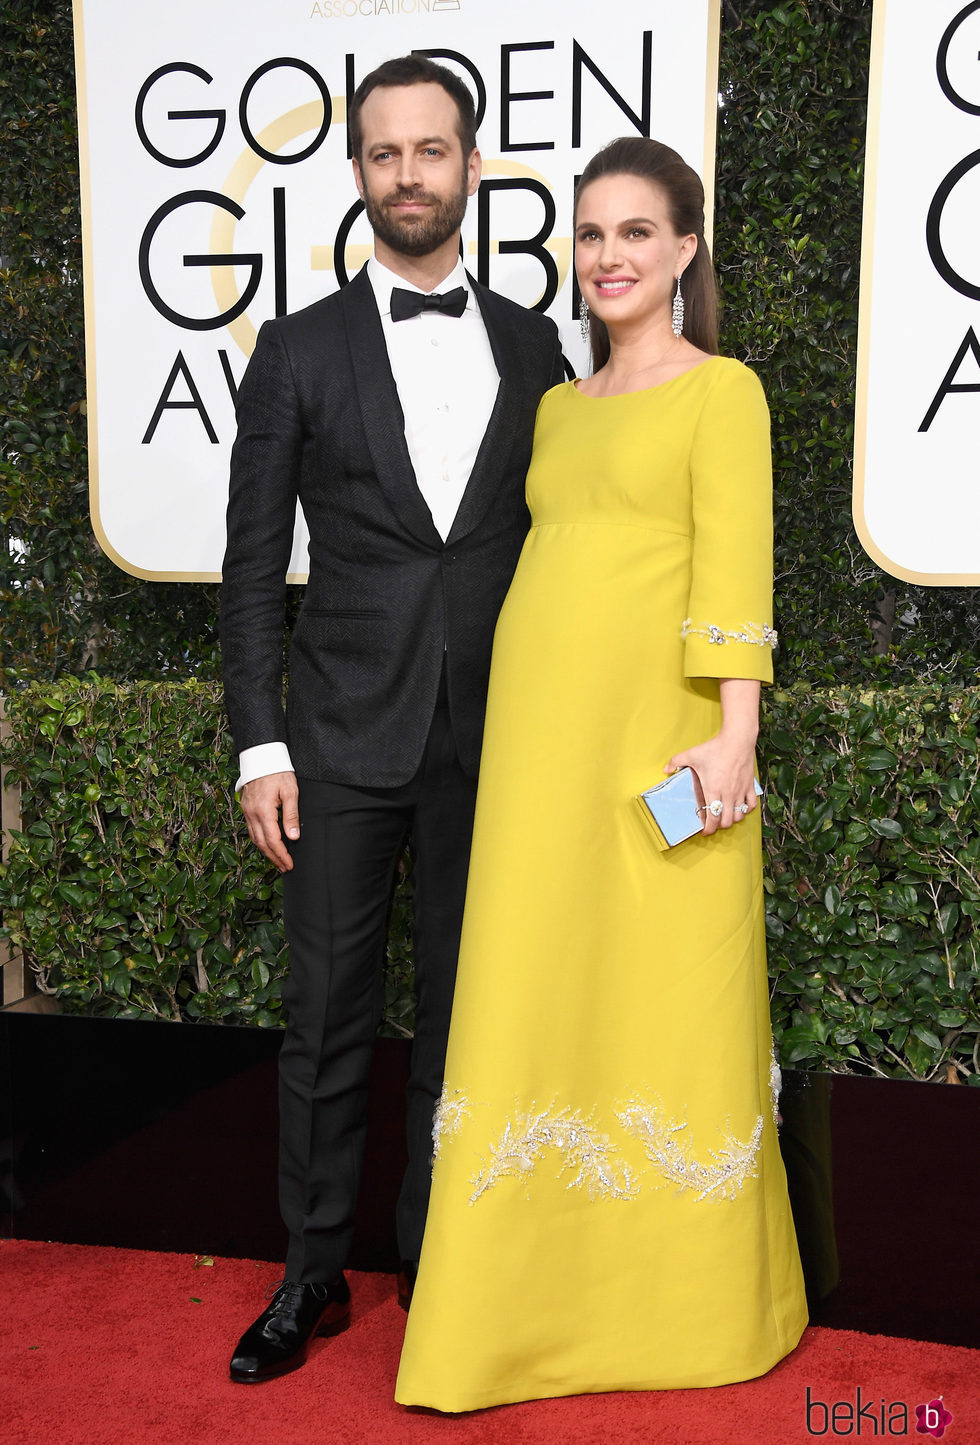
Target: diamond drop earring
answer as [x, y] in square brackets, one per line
[583, 318]
[677, 311]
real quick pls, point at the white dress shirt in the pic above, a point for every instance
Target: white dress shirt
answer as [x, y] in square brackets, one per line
[447, 384]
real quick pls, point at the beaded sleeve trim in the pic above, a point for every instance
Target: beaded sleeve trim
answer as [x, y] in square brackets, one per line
[592, 1157]
[759, 634]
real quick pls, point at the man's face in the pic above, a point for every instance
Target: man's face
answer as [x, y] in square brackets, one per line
[412, 175]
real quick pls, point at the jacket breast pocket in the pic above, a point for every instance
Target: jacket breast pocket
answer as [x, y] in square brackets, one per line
[341, 612]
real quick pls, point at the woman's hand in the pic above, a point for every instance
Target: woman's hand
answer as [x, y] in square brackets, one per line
[724, 763]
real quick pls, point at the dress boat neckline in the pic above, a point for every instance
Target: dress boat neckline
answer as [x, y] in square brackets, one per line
[641, 390]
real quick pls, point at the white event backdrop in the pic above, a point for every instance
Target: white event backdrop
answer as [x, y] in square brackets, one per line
[916, 492]
[217, 192]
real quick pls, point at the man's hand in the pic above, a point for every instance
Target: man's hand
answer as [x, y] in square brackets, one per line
[261, 801]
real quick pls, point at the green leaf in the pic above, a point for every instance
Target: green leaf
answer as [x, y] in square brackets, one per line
[920, 1056]
[949, 917]
[885, 827]
[879, 760]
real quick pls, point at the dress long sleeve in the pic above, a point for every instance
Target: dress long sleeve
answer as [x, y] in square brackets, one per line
[727, 627]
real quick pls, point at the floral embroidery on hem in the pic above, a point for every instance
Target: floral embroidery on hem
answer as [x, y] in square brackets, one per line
[775, 1084]
[528, 1136]
[759, 634]
[452, 1108]
[671, 1152]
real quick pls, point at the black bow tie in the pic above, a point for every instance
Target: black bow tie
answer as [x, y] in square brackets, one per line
[412, 303]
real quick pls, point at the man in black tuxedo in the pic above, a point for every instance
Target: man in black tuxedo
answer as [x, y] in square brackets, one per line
[399, 412]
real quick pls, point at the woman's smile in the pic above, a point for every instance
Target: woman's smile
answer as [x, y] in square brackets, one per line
[615, 285]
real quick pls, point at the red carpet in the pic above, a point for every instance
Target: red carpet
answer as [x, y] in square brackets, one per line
[119, 1347]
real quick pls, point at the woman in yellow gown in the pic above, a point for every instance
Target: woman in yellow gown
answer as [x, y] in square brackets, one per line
[609, 1207]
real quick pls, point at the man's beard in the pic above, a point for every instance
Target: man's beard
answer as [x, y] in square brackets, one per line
[416, 235]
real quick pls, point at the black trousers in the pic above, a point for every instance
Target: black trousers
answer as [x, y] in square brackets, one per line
[336, 902]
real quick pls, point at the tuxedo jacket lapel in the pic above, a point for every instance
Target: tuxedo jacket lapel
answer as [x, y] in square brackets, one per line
[491, 459]
[381, 412]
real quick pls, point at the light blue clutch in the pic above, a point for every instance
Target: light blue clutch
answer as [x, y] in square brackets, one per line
[671, 808]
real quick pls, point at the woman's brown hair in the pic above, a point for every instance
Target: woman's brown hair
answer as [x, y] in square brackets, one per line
[652, 161]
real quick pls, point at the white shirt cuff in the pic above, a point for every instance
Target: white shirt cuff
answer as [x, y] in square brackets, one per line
[260, 761]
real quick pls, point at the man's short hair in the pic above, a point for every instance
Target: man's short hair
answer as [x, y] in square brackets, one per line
[415, 70]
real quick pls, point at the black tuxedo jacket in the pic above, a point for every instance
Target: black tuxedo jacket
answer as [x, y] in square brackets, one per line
[387, 600]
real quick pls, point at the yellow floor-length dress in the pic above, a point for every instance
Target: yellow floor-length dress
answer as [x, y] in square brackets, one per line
[609, 1207]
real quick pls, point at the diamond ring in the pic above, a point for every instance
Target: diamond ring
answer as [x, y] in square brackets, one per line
[741, 807]
[716, 807]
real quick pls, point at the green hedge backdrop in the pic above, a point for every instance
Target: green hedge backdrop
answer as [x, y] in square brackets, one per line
[134, 891]
[145, 898]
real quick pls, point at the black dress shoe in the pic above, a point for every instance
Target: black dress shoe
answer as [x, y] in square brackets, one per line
[407, 1276]
[280, 1337]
